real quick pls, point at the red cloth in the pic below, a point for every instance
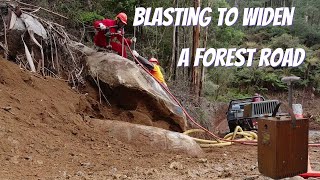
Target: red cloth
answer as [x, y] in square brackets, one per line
[100, 38]
[307, 175]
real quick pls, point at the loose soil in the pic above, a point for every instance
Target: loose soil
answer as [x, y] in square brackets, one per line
[44, 134]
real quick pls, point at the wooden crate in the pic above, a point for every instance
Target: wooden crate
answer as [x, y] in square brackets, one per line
[282, 148]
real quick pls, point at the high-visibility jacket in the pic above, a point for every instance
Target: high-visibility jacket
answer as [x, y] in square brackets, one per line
[154, 69]
[156, 72]
[101, 40]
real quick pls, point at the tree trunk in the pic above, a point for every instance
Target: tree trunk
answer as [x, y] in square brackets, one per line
[173, 52]
[176, 48]
[236, 3]
[184, 45]
[202, 78]
[195, 72]
[89, 4]
[176, 54]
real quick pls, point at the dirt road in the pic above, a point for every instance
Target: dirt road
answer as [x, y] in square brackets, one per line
[44, 134]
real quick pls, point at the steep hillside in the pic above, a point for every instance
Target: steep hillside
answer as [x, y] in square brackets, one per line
[43, 129]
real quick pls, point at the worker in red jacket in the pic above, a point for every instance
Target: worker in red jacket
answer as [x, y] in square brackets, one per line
[111, 31]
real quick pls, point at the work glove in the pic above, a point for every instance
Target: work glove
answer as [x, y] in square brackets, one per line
[109, 47]
[102, 26]
[135, 53]
[134, 40]
[120, 32]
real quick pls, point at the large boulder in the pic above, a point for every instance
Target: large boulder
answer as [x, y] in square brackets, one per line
[128, 86]
[148, 137]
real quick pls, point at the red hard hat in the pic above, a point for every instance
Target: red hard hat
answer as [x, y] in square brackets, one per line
[123, 17]
[154, 60]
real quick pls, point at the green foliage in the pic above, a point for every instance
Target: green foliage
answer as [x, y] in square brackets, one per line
[210, 88]
[284, 41]
[226, 96]
[89, 17]
[227, 36]
[233, 93]
[222, 36]
[316, 81]
[219, 86]
[258, 80]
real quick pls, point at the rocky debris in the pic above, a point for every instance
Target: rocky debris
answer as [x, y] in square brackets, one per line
[294, 178]
[203, 160]
[253, 167]
[314, 136]
[14, 159]
[219, 168]
[39, 162]
[176, 166]
[251, 177]
[8, 108]
[151, 172]
[80, 173]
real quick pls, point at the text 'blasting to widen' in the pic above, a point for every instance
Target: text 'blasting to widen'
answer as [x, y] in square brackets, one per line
[261, 17]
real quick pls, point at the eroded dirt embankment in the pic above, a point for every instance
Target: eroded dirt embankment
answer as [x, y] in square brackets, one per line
[43, 128]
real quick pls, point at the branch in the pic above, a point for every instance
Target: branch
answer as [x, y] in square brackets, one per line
[47, 22]
[26, 4]
[5, 38]
[31, 10]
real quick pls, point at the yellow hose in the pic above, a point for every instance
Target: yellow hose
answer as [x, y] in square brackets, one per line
[193, 131]
[216, 145]
[205, 141]
[199, 140]
[238, 132]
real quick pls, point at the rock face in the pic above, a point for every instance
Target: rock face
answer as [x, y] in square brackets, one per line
[128, 86]
[153, 137]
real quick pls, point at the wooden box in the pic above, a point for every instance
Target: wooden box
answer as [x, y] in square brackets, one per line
[282, 148]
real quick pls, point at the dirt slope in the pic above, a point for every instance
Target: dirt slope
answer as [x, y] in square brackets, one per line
[44, 135]
[43, 129]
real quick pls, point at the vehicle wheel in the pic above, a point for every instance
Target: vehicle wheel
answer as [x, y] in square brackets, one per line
[232, 125]
[246, 124]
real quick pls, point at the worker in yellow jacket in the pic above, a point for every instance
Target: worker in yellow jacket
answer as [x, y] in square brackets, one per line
[152, 65]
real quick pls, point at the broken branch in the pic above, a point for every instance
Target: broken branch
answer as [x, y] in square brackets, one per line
[5, 38]
[26, 4]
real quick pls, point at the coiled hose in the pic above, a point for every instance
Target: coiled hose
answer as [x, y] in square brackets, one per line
[238, 134]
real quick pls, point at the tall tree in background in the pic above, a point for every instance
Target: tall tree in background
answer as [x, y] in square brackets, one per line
[203, 70]
[175, 48]
[194, 71]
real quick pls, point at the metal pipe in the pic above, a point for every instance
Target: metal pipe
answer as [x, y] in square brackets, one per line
[289, 80]
[290, 95]
[122, 42]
